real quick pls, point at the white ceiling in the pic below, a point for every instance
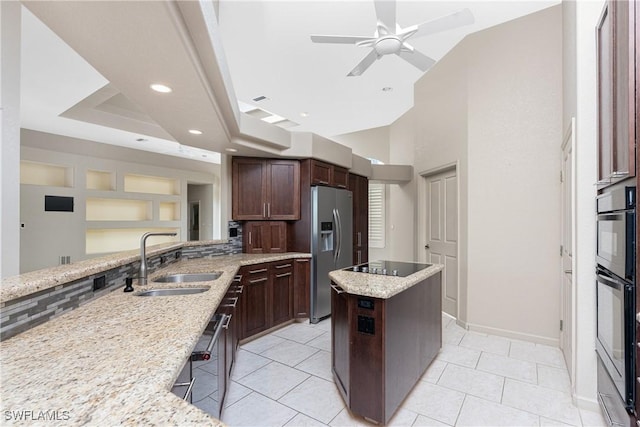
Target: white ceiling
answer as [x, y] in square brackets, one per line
[268, 53]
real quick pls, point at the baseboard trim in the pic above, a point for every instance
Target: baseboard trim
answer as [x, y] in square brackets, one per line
[554, 342]
[585, 403]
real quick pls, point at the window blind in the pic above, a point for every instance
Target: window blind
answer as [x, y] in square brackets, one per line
[376, 215]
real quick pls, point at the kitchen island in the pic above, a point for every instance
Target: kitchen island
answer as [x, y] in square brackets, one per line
[386, 331]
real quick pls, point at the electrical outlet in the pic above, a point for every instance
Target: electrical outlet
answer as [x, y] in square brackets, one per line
[163, 259]
[99, 283]
[178, 254]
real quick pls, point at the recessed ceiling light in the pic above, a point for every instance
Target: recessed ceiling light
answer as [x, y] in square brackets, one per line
[304, 114]
[231, 150]
[387, 89]
[195, 131]
[161, 88]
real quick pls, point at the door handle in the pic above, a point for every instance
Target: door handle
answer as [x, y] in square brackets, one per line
[426, 246]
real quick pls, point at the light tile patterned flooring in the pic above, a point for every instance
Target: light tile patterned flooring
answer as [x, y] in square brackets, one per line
[284, 379]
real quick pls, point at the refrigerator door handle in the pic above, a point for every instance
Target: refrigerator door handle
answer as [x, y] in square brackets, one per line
[336, 221]
[339, 235]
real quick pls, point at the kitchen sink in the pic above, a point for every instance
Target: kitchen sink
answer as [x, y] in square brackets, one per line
[172, 291]
[190, 277]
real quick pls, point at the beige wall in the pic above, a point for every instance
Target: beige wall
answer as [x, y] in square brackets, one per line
[369, 143]
[514, 139]
[492, 108]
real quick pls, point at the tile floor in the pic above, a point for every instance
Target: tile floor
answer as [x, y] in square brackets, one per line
[284, 379]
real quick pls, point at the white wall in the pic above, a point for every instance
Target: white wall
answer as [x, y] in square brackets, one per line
[9, 138]
[47, 235]
[580, 101]
[369, 143]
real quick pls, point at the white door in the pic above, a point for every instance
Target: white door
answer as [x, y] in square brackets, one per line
[566, 293]
[441, 240]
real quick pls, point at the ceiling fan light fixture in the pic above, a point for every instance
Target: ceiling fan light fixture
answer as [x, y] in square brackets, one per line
[387, 45]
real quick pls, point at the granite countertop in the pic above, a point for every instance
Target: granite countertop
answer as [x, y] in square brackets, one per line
[114, 360]
[379, 286]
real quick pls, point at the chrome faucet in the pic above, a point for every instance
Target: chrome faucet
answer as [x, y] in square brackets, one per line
[142, 274]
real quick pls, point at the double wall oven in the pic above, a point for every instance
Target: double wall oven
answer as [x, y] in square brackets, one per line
[615, 296]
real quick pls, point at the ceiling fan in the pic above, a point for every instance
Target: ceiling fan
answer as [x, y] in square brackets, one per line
[390, 38]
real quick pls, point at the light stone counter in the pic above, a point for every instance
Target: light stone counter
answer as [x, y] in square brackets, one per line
[379, 286]
[114, 360]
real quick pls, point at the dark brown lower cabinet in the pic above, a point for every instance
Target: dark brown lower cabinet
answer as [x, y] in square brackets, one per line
[301, 288]
[255, 309]
[269, 293]
[281, 292]
[381, 347]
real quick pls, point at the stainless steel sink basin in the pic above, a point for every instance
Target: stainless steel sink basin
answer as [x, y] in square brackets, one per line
[172, 291]
[192, 277]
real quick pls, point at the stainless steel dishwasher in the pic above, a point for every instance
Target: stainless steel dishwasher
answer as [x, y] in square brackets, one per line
[204, 373]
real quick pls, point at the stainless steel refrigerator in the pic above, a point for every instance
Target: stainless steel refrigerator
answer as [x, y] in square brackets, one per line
[331, 243]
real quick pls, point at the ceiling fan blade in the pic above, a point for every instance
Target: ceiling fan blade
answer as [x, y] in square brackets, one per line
[364, 64]
[448, 22]
[386, 13]
[417, 59]
[338, 39]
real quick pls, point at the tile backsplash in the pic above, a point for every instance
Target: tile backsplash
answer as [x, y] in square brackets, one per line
[24, 313]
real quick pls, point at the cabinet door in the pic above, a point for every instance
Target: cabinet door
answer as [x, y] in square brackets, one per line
[301, 288]
[340, 354]
[255, 299]
[254, 238]
[320, 173]
[249, 188]
[623, 89]
[340, 177]
[263, 237]
[359, 186]
[281, 292]
[277, 236]
[283, 190]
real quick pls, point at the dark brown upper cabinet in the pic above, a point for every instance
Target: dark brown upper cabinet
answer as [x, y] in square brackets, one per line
[617, 80]
[327, 174]
[265, 189]
[359, 186]
[264, 237]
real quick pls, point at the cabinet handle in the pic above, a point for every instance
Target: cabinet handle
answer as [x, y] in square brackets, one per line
[618, 174]
[359, 240]
[239, 289]
[302, 260]
[268, 210]
[190, 384]
[264, 210]
[283, 275]
[232, 304]
[283, 266]
[264, 279]
[337, 288]
[249, 238]
[359, 257]
[226, 324]
[262, 270]
[237, 278]
[323, 182]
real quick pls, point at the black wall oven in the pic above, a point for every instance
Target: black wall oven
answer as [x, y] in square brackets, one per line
[615, 299]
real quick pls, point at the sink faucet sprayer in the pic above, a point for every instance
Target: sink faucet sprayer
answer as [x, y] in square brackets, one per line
[142, 274]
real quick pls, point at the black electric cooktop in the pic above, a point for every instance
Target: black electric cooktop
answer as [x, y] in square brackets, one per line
[389, 268]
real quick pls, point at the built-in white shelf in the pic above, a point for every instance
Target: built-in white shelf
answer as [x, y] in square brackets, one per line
[46, 174]
[101, 180]
[151, 184]
[99, 209]
[169, 211]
